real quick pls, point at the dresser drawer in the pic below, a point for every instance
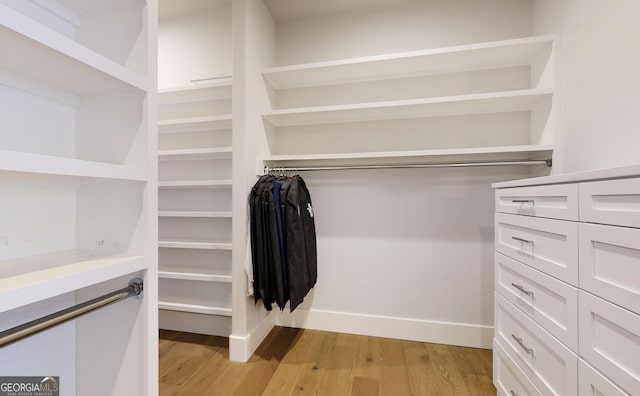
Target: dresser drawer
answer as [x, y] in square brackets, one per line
[610, 340]
[610, 263]
[551, 366]
[508, 379]
[549, 302]
[615, 202]
[557, 201]
[592, 383]
[550, 246]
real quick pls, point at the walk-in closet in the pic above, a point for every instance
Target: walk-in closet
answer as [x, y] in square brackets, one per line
[473, 179]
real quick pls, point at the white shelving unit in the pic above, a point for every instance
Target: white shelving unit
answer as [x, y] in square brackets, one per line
[79, 189]
[484, 101]
[195, 154]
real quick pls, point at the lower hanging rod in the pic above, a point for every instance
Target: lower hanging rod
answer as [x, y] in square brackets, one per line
[269, 169]
[17, 333]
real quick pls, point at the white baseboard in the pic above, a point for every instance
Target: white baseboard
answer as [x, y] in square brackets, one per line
[195, 323]
[242, 347]
[461, 334]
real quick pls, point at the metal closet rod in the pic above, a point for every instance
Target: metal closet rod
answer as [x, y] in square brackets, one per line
[270, 169]
[17, 333]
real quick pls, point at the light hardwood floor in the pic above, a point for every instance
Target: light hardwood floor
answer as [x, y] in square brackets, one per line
[308, 362]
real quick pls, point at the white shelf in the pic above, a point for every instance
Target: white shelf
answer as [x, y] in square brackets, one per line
[195, 274]
[192, 213]
[49, 165]
[195, 184]
[49, 57]
[28, 280]
[217, 89]
[195, 124]
[496, 102]
[194, 308]
[195, 154]
[194, 244]
[491, 55]
[418, 156]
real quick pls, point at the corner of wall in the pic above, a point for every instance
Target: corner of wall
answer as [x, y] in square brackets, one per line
[242, 347]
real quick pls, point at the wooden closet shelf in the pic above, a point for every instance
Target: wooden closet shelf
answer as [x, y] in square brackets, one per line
[195, 213]
[195, 124]
[491, 55]
[194, 308]
[218, 90]
[195, 154]
[192, 273]
[28, 280]
[56, 60]
[485, 103]
[49, 165]
[193, 244]
[195, 184]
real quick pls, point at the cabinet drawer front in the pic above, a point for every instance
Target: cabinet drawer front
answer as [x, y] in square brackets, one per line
[610, 264]
[592, 383]
[614, 202]
[508, 379]
[550, 246]
[610, 340]
[550, 303]
[550, 365]
[558, 201]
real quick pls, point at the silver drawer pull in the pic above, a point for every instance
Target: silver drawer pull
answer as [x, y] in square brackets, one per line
[531, 201]
[519, 341]
[513, 393]
[522, 240]
[522, 289]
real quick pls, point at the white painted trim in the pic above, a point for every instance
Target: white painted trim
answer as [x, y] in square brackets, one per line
[462, 334]
[242, 347]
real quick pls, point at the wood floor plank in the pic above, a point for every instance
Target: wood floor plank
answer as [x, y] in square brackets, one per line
[189, 359]
[395, 377]
[308, 362]
[285, 378]
[365, 386]
[314, 375]
[340, 365]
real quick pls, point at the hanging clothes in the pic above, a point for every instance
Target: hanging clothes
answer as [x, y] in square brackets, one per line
[283, 241]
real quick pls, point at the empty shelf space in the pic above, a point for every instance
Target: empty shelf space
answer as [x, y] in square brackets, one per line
[194, 244]
[194, 213]
[195, 154]
[491, 55]
[194, 308]
[56, 60]
[27, 280]
[195, 184]
[217, 89]
[195, 274]
[418, 156]
[496, 102]
[209, 123]
[50, 165]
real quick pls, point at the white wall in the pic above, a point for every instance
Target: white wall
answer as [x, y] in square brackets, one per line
[600, 78]
[403, 26]
[194, 46]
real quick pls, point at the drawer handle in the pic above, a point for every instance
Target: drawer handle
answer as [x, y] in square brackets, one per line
[531, 201]
[513, 393]
[522, 240]
[522, 289]
[519, 341]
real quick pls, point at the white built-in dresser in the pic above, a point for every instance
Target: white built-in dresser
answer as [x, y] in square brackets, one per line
[567, 284]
